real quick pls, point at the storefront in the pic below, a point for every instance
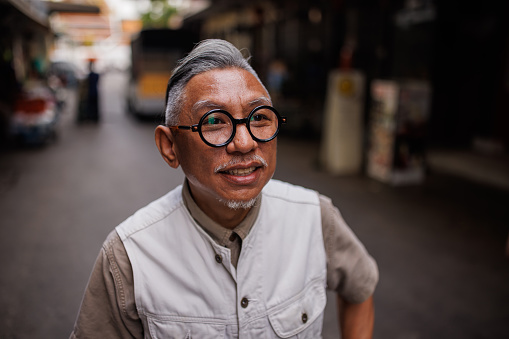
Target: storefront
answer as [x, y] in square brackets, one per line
[25, 39]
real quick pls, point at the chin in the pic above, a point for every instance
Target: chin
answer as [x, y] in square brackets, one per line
[239, 204]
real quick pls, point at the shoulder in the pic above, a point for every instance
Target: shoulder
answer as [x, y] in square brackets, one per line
[117, 259]
[291, 193]
[330, 213]
[151, 214]
[333, 224]
[113, 243]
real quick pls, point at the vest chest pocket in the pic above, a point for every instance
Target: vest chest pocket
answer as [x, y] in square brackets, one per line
[303, 317]
[179, 328]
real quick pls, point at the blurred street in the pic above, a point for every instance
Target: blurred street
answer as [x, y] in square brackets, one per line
[440, 246]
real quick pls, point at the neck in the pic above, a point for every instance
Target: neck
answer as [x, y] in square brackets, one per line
[222, 214]
[219, 211]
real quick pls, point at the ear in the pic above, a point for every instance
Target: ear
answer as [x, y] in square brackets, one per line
[165, 141]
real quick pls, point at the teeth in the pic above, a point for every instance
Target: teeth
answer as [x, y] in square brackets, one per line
[242, 171]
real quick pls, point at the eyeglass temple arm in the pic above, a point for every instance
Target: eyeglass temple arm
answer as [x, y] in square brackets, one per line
[193, 128]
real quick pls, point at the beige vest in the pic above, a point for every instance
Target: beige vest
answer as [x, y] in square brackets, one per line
[186, 287]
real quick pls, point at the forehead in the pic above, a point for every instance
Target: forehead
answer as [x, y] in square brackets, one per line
[229, 88]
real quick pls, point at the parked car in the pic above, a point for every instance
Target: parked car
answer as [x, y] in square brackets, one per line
[36, 114]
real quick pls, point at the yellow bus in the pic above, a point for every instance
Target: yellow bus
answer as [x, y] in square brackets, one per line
[154, 54]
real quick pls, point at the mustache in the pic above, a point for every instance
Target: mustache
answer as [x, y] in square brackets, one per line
[240, 159]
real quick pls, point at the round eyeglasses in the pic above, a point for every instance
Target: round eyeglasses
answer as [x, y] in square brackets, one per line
[217, 127]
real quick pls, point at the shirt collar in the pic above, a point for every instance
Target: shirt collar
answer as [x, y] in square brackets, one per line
[220, 234]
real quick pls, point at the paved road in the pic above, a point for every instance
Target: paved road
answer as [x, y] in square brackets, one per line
[439, 246]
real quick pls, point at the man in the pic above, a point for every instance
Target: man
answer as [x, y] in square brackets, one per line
[230, 253]
[88, 107]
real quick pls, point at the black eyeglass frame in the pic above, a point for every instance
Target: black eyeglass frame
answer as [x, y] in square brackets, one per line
[197, 127]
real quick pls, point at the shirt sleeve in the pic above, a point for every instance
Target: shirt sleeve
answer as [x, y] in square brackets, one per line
[351, 271]
[108, 309]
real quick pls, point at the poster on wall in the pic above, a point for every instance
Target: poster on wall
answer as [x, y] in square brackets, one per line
[399, 115]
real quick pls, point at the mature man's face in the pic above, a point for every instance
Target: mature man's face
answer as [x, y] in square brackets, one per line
[238, 171]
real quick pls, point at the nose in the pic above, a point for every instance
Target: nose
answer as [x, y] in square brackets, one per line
[242, 141]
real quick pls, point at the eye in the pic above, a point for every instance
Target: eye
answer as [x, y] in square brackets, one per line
[260, 117]
[212, 121]
[263, 117]
[216, 119]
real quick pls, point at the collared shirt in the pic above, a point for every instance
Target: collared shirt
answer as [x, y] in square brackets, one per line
[108, 308]
[231, 239]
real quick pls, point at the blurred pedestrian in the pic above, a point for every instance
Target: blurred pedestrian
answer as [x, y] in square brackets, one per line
[89, 95]
[230, 253]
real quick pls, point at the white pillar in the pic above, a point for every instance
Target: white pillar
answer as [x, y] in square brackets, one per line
[341, 149]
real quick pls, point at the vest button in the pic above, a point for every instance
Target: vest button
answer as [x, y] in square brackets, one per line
[304, 318]
[219, 259]
[244, 302]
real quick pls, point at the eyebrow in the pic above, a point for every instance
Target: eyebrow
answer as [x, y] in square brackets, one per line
[201, 104]
[204, 104]
[260, 101]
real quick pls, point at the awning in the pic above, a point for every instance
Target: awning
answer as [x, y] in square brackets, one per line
[35, 10]
[66, 7]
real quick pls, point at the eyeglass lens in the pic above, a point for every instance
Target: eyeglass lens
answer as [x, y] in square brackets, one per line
[217, 127]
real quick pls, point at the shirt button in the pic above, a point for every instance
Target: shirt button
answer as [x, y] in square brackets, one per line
[244, 302]
[304, 318]
[219, 259]
[232, 237]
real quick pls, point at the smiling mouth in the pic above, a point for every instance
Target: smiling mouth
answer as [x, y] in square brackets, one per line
[242, 166]
[241, 171]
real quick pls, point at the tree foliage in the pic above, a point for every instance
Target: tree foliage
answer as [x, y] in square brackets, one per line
[159, 14]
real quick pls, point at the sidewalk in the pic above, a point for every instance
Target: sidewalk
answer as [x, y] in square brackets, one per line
[488, 169]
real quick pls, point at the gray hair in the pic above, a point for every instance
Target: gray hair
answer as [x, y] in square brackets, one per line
[207, 55]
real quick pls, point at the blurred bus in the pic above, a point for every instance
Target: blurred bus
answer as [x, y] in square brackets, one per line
[154, 53]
